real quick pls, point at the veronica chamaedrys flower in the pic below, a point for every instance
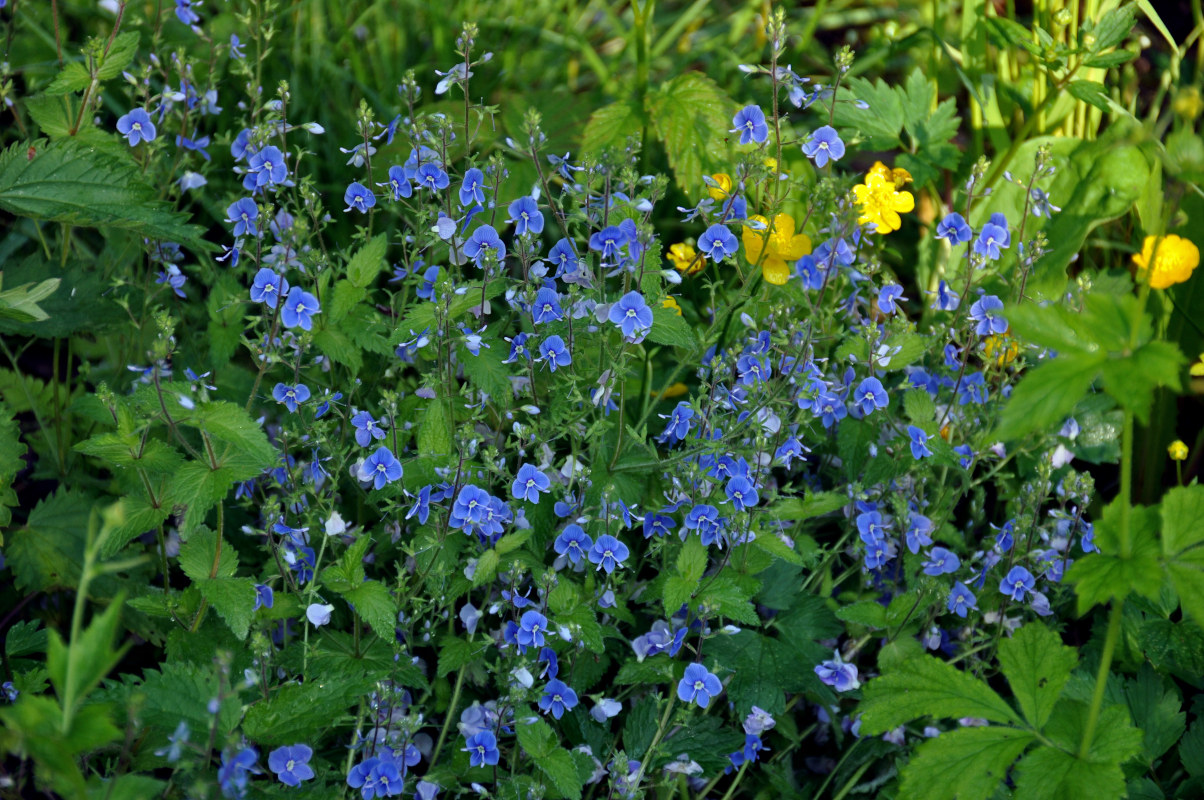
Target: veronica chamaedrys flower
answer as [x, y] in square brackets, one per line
[235, 771]
[961, 600]
[870, 395]
[888, 296]
[954, 228]
[1174, 259]
[531, 628]
[482, 749]
[291, 764]
[268, 166]
[774, 248]
[573, 543]
[299, 309]
[318, 614]
[472, 188]
[484, 240]
[881, 202]
[838, 673]
[529, 483]
[526, 216]
[553, 352]
[382, 468]
[698, 685]
[632, 315]
[705, 519]
[136, 126]
[366, 428]
[608, 553]
[742, 493]
[431, 177]
[557, 698]
[919, 442]
[824, 145]
[268, 287]
[291, 396]
[609, 242]
[941, 561]
[359, 197]
[264, 597]
[546, 307]
[985, 313]
[398, 183]
[1018, 582]
[993, 236]
[750, 123]
[717, 243]
[243, 214]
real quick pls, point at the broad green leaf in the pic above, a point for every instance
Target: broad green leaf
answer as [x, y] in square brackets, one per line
[929, 687]
[376, 606]
[537, 738]
[206, 556]
[76, 668]
[1090, 92]
[1113, 28]
[1037, 666]
[670, 329]
[68, 181]
[232, 598]
[48, 552]
[1132, 380]
[301, 712]
[1105, 575]
[12, 461]
[721, 596]
[639, 726]
[231, 424]
[882, 119]
[692, 117]
[121, 52]
[610, 126]
[21, 303]
[815, 504]
[487, 373]
[963, 764]
[692, 559]
[1191, 750]
[368, 261]
[1046, 395]
[868, 613]
[344, 297]
[1047, 773]
[1156, 708]
[435, 431]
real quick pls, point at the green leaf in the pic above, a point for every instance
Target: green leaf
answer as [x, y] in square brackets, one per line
[1090, 92]
[435, 431]
[668, 328]
[48, 552]
[1113, 28]
[487, 373]
[69, 181]
[639, 726]
[338, 347]
[691, 115]
[1037, 666]
[1156, 709]
[610, 126]
[180, 692]
[1105, 575]
[559, 768]
[919, 406]
[926, 687]
[125, 787]
[1132, 380]
[12, 461]
[301, 712]
[454, 653]
[1047, 395]
[722, 596]
[76, 668]
[73, 77]
[1191, 749]
[1057, 772]
[368, 261]
[231, 424]
[815, 504]
[692, 559]
[963, 764]
[199, 554]
[881, 122]
[376, 606]
[121, 53]
[21, 303]
[537, 738]
[868, 613]
[233, 598]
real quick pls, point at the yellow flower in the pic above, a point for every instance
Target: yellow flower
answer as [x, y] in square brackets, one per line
[671, 303]
[783, 245]
[672, 390]
[899, 176]
[684, 258]
[1176, 258]
[1002, 348]
[1177, 450]
[1187, 103]
[720, 192]
[881, 202]
[1197, 369]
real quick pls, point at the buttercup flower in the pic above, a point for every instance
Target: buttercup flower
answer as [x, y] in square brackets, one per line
[1174, 259]
[1177, 450]
[685, 258]
[719, 186]
[881, 203]
[781, 246]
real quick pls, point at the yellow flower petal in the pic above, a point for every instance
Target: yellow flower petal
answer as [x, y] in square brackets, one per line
[670, 302]
[775, 271]
[724, 188]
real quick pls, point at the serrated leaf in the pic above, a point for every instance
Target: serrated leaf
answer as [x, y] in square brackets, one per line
[232, 598]
[691, 117]
[1037, 666]
[692, 559]
[49, 551]
[73, 77]
[881, 121]
[670, 329]
[231, 424]
[206, 556]
[300, 712]
[868, 613]
[1046, 395]
[1155, 707]
[376, 606]
[722, 596]
[76, 668]
[368, 261]
[69, 181]
[926, 687]
[610, 126]
[121, 53]
[435, 431]
[12, 461]
[963, 764]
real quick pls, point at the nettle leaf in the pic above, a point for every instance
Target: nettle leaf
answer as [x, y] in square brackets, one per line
[670, 329]
[233, 598]
[610, 126]
[963, 764]
[301, 712]
[1156, 708]
[1037, 666]
[368, 261]
[69, 181]
[929, 687]
[376, 606]
[691, 115]
[48, 552]
[206, 556]
[540, 742]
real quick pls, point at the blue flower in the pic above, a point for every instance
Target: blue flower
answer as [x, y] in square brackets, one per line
[918, 533]
[632, 315]
[941, 561]
[291, 764]
[299, 309]
[830, 408]
[398, 183]
[366, 429]
[564, 257]
[573, 543]
[176, 740]
[557, 698]
[531, 627]
[888, 296]
[432, 177]
[243, 214]
[173, 278]
[484, 240]
[136, 126]
[376, 777]
[264, 596]
[608, 553]
[422, 506]
[382, 467]
[994, 235]
[359, 197]
[742, 493]
[838, 674]
[529, 483]
[869, 395]
[919, 442]
[984, 313]
[268, 287]
[236, 47]
[678, 426]
[705, 519]
[268, 166]
[1017, 583]
[482, 749]
[472, 189]
[750, 123]
[235, 770]
[718, 243]
[184, 12]
[698, 685]
[427, 290]
[518, 347]
[553, 351]
[526, 216]
[871, 524]
[946, 298]
[291, 396]
[961, 600]
[546, 307]
[954, 228]
[823, 146]
[608, 242]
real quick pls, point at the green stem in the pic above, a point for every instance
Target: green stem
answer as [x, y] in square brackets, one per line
[660, 732]
[1101, 678]
[451, 713]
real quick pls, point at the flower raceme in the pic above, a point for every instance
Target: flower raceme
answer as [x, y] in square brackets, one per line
[772, 246]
